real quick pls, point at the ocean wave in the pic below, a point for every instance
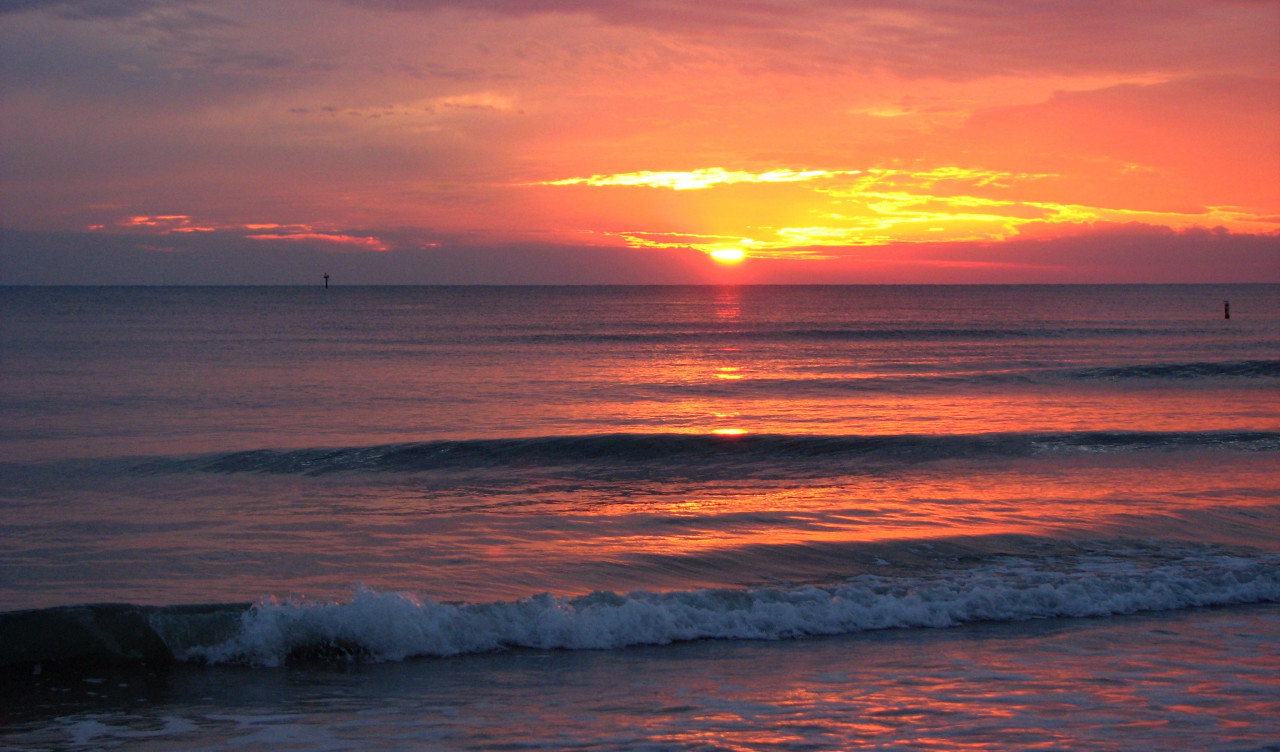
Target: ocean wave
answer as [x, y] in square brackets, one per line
[383, 626]
[1147, 374]
[852, 334]
[674, 453]
[1237, 369]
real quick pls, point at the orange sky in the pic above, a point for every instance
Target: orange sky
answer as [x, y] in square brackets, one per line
[823, 141]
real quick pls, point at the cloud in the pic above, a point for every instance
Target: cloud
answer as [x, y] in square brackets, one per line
[367, 243]
[974, 38]
[161, 224]
[556, 121]
[137, 50]
[41, 258]
[700, 179]
[300, 234]
[881, 206]
[84, 9]
[1107, 253]
[1110, 253]
[1216, 138]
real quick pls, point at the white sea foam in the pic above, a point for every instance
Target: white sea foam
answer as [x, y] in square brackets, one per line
[86, 732]
[390, 627]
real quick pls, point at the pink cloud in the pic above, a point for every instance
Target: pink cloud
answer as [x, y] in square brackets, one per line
[356, 241]
[163, 224]
[168, 224]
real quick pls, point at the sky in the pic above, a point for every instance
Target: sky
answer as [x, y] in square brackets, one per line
[639, 141]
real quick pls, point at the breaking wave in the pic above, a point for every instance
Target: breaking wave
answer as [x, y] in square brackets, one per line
[383, 626]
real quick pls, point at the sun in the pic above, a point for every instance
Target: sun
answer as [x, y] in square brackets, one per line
[728, 255]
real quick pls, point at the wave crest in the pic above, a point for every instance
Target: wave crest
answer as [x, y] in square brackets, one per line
[1237, 369]
[385, 626]
[674, 453]
[391, 627]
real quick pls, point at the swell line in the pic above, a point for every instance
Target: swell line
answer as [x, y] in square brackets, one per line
[850, 334]
[1144, 374]
[675, 451]
[1238, 369]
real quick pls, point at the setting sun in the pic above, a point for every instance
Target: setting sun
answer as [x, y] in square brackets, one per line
[728, 255]
[561, 142]
[650, 373]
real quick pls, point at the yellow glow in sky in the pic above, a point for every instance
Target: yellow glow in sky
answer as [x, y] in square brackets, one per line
[670, 136]
[791, 213]
[700, 179]
[728, 255]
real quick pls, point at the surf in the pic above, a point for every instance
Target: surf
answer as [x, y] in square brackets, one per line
[379, 626]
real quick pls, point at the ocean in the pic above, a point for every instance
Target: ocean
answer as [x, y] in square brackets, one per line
[640, 518]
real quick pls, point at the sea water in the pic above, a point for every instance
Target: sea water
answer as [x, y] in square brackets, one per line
[640, 518]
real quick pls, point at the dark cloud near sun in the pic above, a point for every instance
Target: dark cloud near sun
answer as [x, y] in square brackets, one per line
[1114, 253]
[205, 258]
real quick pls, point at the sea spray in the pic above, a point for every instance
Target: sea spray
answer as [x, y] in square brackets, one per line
[382, 626]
